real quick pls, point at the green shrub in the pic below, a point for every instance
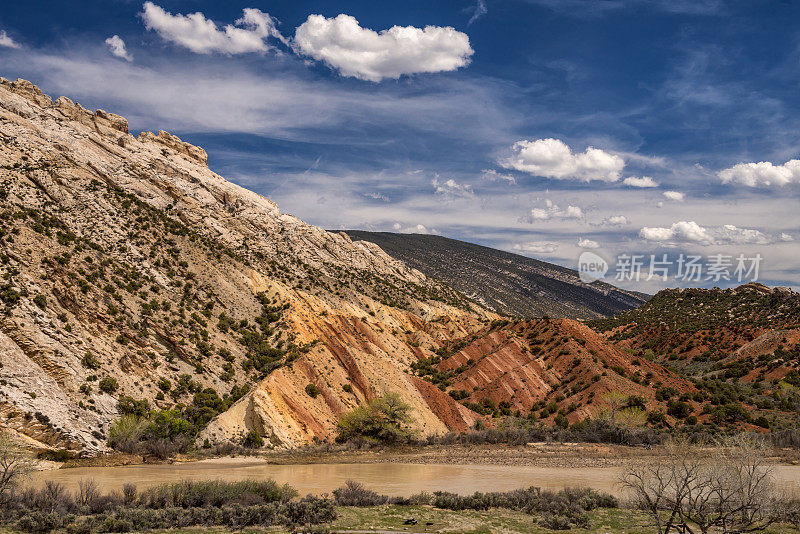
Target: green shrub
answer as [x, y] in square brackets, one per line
[164, 384]
[90, 361]
[129, 406]
[312, 391]
[383, 419]
[679, 409]
[253, 440]
[762, 421]
[561, 421]
[40, 300]
[108, 384]
[126, 432]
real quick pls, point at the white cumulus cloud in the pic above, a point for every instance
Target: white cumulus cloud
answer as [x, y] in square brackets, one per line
[762, 173]
[552, 158]
[691, 232]
[537, 247]
[679, 232]
[202, 36]
[117, 47]
[553, 211]
[674, 195]
[365, 54]
[644, 181]
[588, 243]
[7, 41]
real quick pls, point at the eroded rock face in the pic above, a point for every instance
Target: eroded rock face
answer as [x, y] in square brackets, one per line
[126, 257]
[524, 363]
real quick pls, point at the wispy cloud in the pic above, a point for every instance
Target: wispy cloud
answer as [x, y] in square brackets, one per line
[7, 41]
[677, 196]
[117, 48]
[451, 189]
[282, 101]
[533, 247]
[478, 10]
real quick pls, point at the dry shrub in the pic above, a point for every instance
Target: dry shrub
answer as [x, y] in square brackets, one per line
[355, 494]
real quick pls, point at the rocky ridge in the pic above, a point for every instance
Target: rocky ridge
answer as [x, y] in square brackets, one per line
[129, 268]
[509, 284]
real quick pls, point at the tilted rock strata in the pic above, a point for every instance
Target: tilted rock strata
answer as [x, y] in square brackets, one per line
[131, 250]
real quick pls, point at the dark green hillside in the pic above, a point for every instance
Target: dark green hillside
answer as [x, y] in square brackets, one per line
[748, 307]
[506, 283]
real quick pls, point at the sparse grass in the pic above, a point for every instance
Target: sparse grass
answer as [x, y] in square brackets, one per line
[391, 518]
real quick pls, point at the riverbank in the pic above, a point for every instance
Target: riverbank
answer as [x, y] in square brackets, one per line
[560, 455]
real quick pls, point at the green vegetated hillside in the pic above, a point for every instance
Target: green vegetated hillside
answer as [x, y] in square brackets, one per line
[740, 347]
[695, 360]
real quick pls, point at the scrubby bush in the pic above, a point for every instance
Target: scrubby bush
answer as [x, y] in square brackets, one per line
[587, 431]
[566, 507]
[90, 361]
[41, 522]
[126, 432]
[384, 419]
[40, 300]
[253, 440]
[355, 494]
[189, 494]
[234, 505]
[108, 384]
[129, 406]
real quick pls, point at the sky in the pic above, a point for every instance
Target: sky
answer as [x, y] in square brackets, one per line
[641, 131]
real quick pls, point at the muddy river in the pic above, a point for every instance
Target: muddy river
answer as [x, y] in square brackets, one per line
[387, 478]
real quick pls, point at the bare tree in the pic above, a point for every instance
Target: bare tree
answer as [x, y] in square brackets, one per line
[15, 464]
[689, 489]
[661, 485]
[746, 489]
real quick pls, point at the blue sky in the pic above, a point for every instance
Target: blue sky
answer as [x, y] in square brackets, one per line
[543, 127]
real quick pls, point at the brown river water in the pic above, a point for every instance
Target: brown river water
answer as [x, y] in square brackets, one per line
[388, 478]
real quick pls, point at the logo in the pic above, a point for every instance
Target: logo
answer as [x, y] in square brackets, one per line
[591, 267]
